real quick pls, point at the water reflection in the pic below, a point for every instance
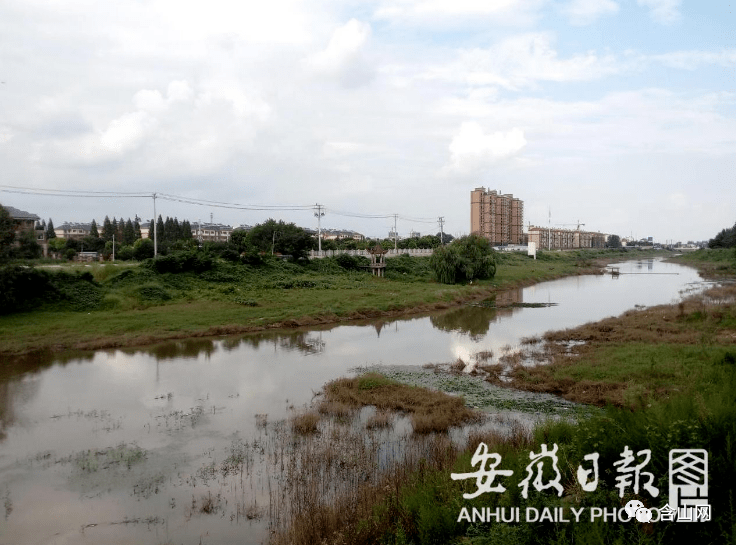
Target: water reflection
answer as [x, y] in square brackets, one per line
[475, 320]
[186, 402]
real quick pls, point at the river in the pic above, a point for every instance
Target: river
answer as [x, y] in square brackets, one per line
[122, 446]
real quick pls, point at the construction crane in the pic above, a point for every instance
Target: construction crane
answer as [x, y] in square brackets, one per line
[578, 224]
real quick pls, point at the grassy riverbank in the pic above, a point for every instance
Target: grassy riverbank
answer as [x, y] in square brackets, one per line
[665, 377]
[102, 306]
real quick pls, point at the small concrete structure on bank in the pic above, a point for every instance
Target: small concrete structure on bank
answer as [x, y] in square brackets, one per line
[378, 260]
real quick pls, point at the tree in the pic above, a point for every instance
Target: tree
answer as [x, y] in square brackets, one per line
[280, 237]
[160, 231]
[614, 241]
[93, 232]
[466, 259]
[239, 239]
[170, 230]
[57, 244]
[725, 239]
[50, 233]
[107, 229]
[7, 232]
[186, 230]
[128, 233]
[143, 249]
[92, 244]
[27, 248]
[446, 237]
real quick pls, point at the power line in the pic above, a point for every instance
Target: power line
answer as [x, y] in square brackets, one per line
[233, 206]
[71, 193]
[358, 215]
[78, 193]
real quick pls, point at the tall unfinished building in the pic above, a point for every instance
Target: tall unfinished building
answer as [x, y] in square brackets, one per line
[497, 217]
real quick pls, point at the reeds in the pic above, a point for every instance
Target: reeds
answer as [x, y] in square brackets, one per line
[430, 411]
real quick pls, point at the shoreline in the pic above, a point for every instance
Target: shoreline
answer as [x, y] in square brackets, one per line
[109, 342]
[159, 329]
[585, 364]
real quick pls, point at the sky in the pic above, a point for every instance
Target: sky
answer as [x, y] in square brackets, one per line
[619, 115]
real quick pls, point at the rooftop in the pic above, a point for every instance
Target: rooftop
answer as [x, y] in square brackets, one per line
[20, 214]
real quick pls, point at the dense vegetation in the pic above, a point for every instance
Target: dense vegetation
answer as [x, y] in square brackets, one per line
[725, 239]
[680, 377]
[464, 260]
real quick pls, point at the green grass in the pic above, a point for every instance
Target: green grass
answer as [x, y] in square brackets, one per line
[132, 304]
[715, 262]
[683, 368]
[690, 404]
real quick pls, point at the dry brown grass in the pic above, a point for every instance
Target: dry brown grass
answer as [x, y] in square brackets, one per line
[531, 340]
[381, 419]
[457, 366]
[518, 438]
[511, 358]
[305, 423]
[678, 323]
[493, 371]
[483, 356]
[542, 378]
[330, 494]
[335, 408]
[430, 410]
[207, 504]
[703, 318]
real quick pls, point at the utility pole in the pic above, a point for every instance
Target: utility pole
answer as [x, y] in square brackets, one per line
[155, 235]
[549, 230]
[395, 233]
[318, 214]
[441, 221]
[113, 247]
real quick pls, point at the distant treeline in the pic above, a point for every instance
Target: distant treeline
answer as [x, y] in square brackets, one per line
[725, 239]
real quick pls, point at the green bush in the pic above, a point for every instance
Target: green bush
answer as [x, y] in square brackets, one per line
[25, 288]
[351, 262]
[466, 259]
[125, 253]
[179, 262]
[21, 287]
[143, 248]
[153, 293]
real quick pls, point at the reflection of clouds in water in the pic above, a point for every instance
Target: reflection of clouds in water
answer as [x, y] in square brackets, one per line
[462, 350]
[13, 395]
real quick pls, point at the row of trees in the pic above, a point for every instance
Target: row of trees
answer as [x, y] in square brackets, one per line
[427, 241]
[725, 239]
[170, 230]
[267, 238]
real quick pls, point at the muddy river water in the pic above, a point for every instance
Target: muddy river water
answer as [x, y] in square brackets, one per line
[133, 445]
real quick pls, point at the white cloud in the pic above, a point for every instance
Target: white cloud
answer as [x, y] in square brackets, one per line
[6, 135]
[125, 133]
[184, 132]
[340, 149]
[471, 148]
[344, 57]
[522, 61]
[678, 201]
[447, 12]
[665, 12]
[585, 12]
[691, 60]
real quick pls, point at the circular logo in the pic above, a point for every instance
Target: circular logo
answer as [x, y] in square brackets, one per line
[643, 514]
[632, 507]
